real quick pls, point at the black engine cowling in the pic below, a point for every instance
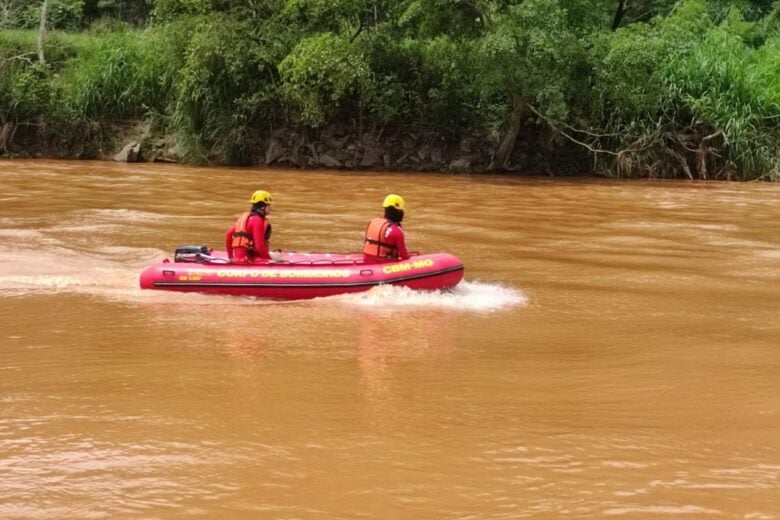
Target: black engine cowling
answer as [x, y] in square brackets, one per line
[191, 254]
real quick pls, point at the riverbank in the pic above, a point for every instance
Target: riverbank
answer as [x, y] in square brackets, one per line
[340, 148]
[334, 147]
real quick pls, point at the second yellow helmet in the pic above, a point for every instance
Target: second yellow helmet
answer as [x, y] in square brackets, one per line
[395, 201]
[261, 196]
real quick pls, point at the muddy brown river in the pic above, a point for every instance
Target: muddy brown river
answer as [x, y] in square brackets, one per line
[613, 351]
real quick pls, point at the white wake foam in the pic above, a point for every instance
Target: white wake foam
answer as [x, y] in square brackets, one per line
[466, 296]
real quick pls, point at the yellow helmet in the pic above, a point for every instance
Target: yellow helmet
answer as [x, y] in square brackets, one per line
[261, 196]
[395, 201]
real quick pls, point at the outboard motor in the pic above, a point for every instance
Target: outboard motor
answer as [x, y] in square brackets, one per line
[192, 254]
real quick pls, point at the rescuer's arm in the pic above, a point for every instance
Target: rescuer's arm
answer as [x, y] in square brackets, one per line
[229, 241]
[258, 237]
[400, 242]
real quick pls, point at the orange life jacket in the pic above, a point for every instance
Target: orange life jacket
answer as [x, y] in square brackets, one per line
[375, 244]
[243, 239]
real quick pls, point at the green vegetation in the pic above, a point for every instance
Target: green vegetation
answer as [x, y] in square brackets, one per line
[647, 88]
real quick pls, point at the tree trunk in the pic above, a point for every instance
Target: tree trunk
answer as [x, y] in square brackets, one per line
[360, 119]
[42, 30]
[6, 134]
[487, 13]
[619, 13]
[504, 151]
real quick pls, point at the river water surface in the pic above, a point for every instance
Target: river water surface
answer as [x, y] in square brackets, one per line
[613, 351]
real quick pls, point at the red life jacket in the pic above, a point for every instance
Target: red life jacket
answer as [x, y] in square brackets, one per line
[375, 236]
[242, 238]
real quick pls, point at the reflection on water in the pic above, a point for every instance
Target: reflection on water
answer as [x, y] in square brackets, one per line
[612, 352]
[382, 353]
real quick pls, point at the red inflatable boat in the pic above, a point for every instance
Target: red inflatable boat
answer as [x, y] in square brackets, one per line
[293, 276]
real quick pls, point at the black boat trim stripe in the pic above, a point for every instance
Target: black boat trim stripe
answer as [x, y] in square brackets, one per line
[309, 285]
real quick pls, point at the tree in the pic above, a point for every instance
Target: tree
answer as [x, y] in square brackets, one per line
[42, 31]
[526, 59]
[8, 13]
[321, 72]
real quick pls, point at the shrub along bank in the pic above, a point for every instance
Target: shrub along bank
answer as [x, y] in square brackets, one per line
[685, 89]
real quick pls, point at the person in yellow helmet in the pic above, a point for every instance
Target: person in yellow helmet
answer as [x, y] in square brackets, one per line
[247, 240]
[384, 239]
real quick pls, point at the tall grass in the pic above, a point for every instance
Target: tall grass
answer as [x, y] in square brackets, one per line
[116, 77]
[724, 85]
[685, 95]
[88, 84]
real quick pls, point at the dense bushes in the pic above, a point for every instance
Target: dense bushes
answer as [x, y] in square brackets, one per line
[685, 96]
[228, 88]
[693, 90]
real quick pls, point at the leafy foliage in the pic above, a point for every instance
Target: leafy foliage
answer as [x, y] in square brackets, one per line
[529, 53]
[647, 87]
[227, 87]
[321, 72]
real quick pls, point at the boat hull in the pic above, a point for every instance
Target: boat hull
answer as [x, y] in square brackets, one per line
[296, 276]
